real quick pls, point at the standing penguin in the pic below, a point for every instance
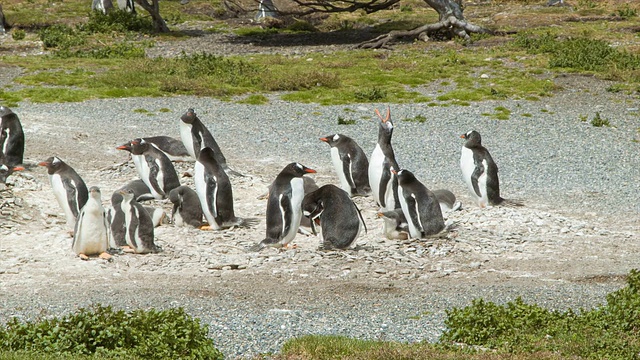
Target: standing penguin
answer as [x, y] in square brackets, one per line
[138, 225]
[284, 206]
[215, 193]
[480, 172]
[383, 185]
[196, 136]
[338, 216]
[68, 188]
[154, 168]
[115, 216]
[90, 236]
[186, 207]
[419, 205]
[11, 138]
[350, 163]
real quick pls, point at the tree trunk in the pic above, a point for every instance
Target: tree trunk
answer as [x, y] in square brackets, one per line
[451, 24]
[2, 21]
[153, 8]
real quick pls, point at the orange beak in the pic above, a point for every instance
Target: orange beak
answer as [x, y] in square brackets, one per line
[463, 136]
[310, 171]
[324, 139]
[18, 168]
[43, 163]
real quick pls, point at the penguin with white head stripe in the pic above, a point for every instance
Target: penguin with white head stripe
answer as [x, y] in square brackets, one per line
[419, 205]
[284, 206]
[480, 172]
[383, 185]
[68, 188]
[350, 163]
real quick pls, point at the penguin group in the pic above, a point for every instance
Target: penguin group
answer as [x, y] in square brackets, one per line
[409, 209]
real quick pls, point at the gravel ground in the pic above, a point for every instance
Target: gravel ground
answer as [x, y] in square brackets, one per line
[568, 247]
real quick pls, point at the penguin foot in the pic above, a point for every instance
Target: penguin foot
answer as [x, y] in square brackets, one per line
[256, 248]
[105, 256]
[128, 249]
[83, 257]
[205, 227]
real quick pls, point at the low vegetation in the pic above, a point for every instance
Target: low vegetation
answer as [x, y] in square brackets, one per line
[106, 333]
[515, 330]
[90, 52]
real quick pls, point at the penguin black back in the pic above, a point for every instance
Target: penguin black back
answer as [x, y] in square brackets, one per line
[68, 186]
[350, 163]
[419, 205]
[200, 138]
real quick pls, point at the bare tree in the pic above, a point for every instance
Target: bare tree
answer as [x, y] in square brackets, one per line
[3, 22]
[153, 8]
[451, 20]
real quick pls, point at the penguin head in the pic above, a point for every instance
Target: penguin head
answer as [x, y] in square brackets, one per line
[138, 146]
[404, 175]
[127, 194]
[207, 155]
[5, 171]
[473, 138]
[332, 140]
[189, 117]
[126, 146]
[385, 122]
[5, 111]
[53, 164]
[94, 192]
[297, 170]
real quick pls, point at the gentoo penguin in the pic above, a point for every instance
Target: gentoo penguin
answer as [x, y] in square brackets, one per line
[447, 200]
[154, 168]
[395, 224]
[138, 225]
[383, 185]
[186, 207]
[173, 148]
[214, 191]
[5, 172]
[284, 206]
[350, 163]
[11, 138]
[196, 136]
[116, 216]
[309, 186]
[419, 205]
[480, 172]
[337, 214]
[68, 188]
[91, 233]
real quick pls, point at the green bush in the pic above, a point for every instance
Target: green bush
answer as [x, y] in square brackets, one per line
[599, 121]
[100, 330]
[18, 34]
[116, 21]
[60, 36]
[608, 332]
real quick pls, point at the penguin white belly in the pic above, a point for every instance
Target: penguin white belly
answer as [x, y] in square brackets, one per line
[177, 219]
[337, 164]
[297, 194]
[468, 166]
[201, 190]
[414, 229]
[61, 195]
[187, 138]
[375, 172]
[91, 237]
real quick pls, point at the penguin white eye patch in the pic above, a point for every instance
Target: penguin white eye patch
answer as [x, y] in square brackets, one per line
[336, 137]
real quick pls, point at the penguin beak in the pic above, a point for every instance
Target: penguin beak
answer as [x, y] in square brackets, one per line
[393, 171]
[324, 139]
[463, 136]
[43, 163]
[18, 168]
[122, 147]
[309, 171]
[379, 215]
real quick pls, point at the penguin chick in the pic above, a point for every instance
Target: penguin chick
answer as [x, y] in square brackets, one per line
[91, 233]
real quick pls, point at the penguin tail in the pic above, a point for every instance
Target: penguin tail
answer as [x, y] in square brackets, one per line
[249, 222]
[230, 171]
[257, 247]
[457, 206]
[511, 202]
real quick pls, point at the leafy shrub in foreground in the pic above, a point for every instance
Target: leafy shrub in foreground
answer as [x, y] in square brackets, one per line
[151, 334]
[60, 36]
[611, 331]
[118, 21]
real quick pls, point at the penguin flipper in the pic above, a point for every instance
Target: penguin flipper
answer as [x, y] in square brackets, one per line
[475, 176]
[76, 229]
[384, 180]
[154, 169]
[287, 214]
[414, 213]
[360, 216]
[72, 194]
